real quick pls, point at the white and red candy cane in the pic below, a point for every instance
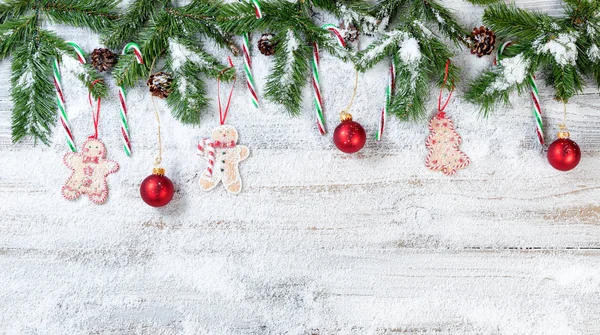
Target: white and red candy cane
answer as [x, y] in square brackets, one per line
[248, 70]
[316, 83]
[257, 9]
[60, 101]
[248, 60]
[208, 144]
[389, 91]
[123, 99]
[336, 32]
[537, 109]
[60, 97]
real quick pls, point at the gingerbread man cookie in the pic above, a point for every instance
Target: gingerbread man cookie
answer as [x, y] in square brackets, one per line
[90, 169]
[223, 156]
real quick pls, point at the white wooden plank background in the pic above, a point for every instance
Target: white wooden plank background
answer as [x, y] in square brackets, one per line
[318, 242]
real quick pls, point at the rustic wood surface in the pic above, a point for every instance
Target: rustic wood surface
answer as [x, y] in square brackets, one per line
[318, 242]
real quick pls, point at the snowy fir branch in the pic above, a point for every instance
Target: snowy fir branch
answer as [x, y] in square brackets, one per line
[171, 33]
[419, 57]
[129, 25]
[290, 73]
[426, 11]
[34, 49]
[565, 49]
[94, 14]
[295, 33]
[483, 2]
[408, 33]
[185, 60]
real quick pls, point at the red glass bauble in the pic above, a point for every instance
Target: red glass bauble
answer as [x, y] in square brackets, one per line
[564, 154]
[157, 190]
[349, 136]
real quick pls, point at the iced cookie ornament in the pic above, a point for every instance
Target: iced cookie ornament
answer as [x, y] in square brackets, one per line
[90, 168]
[443, 140]
[221, 151]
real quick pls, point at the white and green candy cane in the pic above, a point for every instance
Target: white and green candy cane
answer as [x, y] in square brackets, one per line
[389, 90]
[316, 82]
[130, 47]
[60, 97]
[257, 9]
[248, 60]
[537, 109]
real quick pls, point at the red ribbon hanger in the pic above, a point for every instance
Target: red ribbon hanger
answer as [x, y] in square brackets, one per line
[223, 114]
[441, 109]
[96, 115]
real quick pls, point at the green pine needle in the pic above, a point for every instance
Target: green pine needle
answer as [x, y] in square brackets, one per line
[508, 21]
[290, 74]
[96, 15]
[32, 91]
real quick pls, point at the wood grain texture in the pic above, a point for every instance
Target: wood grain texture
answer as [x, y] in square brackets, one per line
[318, 242]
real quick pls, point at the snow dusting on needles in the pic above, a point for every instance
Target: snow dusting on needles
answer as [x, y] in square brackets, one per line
[424, 29]
[594, 53]
[181, 54]
[292, 45]
[72, 65]
[388, 39]
[562, 47]
[514, 71]
[410, 52]
[26, 80]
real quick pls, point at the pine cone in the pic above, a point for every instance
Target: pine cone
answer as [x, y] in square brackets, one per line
[482, 41]
[103, 59]
[351, 33]
[266, 45]
[160, 84]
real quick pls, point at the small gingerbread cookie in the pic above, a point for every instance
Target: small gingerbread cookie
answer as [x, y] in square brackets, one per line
[223, 156]
[90, 169]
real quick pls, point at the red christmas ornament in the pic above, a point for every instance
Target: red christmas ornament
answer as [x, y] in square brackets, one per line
[349, 136]
[564, 154]
[157, 190]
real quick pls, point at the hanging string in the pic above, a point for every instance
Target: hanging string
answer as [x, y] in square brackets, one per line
[441, 108]
[96, 114]
[158, 159]
[347, 109]
[223, 113]
[563, 125]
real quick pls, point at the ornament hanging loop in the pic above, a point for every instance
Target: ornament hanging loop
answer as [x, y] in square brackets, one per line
[345, 113]
[95, 114]
[564, 133]
[158, 159]
[442, 108]
[223, 113]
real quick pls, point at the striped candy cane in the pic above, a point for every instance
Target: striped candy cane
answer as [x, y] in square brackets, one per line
[336, 32]
[78, 51]
[537, 109]
[210, 145]
[389, 90]
[257, 9]
[123, 99]
[60, 101]
[316, 83]
[248, 61]
[60, 97]
[248, 69]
